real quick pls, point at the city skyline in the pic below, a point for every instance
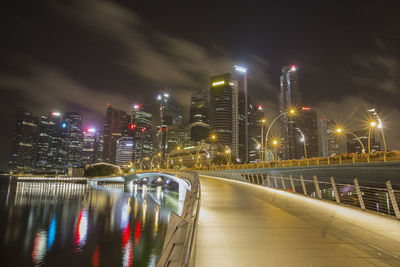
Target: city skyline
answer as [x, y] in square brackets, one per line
[358, 75]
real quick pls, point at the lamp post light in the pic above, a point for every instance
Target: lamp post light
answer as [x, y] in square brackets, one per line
[212, 137]
[290, 112]
[228, 155]
[263, 121]
[275, 144]
[303, 139]
[372, 125]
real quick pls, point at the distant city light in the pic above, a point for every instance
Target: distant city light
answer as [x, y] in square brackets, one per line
[136, 107]
[231, 83]
[306, 108]
[91, 130]
[132, 126]
[63, 125]
[241, 69]
[159, 97]
[218, 83]
[293, 68]
[166, 95]
[129, 144]
[56, 113]
[260, 107]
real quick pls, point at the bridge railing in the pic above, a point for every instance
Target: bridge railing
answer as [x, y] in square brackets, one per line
[180, 240]
[339, 159]
[383, 199]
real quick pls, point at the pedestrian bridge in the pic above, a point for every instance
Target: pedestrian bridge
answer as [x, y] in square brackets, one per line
[245, 224]
[129, 180]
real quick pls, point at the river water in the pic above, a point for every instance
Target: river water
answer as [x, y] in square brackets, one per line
[67, 224]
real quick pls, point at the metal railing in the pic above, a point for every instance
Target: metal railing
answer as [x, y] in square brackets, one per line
[339, 160]
[383, 199]
[180, 240]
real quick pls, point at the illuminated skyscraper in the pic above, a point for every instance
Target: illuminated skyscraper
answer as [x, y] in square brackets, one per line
[240, 80]
[289, 97]
[142, 132]
[73, 139]
[224, 111]
[306, 131]
[115, 126]
[330, 144]
[199, 116]
[24, 143]
[166, 114]
[256, 114]
[91, 146]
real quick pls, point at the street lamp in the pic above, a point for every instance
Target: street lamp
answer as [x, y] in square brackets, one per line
[303, 139]
[380, 126]
[212, 137]
[263, 121]
[228, 155]
[275, 144]
[340, 130]
[372, 124]
[291, 112]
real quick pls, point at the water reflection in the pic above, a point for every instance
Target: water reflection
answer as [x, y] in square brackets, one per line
[73, 224]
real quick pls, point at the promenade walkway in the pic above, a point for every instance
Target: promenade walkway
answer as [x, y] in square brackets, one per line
[247, 225]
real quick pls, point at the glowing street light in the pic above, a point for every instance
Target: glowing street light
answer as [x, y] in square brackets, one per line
[291, 112]
[275, 143]
[372, 124]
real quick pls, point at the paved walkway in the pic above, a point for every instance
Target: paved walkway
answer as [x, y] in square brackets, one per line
[247, 225]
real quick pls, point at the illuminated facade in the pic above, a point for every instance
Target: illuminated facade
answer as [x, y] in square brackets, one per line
[24, 142]
[240, 80]
[141, 130]
[178, 136]
[51, 153]
[115, 127]
[199, 116]
[224, 111]
[289, 97]
[74, 139]
[167, 114]
[255, 115]
[92, 146]
[124, 153]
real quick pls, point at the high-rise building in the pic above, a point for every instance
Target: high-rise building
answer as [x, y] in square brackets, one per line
[142, 132]
[307, 131]
[330, 144]
[124, 151]
[115, 126]
[51, 154]
[289, 97]
[177, 136]
[90, 139]
[166, 114]
[224, 111]
[240, 79]
[24, 143]
[199, 116]
[99, 147]
[256, 115]
[354, 145]
[74, 139]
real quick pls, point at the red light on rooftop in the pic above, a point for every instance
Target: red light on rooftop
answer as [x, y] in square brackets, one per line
[293, 67]
[306, 108]
[143, 129]
[132, 126]
[260, 107]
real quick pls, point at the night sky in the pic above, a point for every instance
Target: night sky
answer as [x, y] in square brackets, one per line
[81, 55]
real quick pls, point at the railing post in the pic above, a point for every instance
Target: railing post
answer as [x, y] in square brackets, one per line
[252, 178]
[283, 182]
[303, 185]
[393, 199]
[268, 180]
[291, 183]
[316, 184]
[335, 190]
[258, 179]
[359, 194]
[328, 161]
[275, 184]
[354, 161]
[340, 159]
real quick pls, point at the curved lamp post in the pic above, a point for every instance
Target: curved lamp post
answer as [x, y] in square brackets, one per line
[340, 130]
[290, 112]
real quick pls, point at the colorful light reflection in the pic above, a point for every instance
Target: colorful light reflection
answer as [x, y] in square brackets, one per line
[81, 230]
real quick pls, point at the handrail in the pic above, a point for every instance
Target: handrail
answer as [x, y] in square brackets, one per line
[182, 229]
